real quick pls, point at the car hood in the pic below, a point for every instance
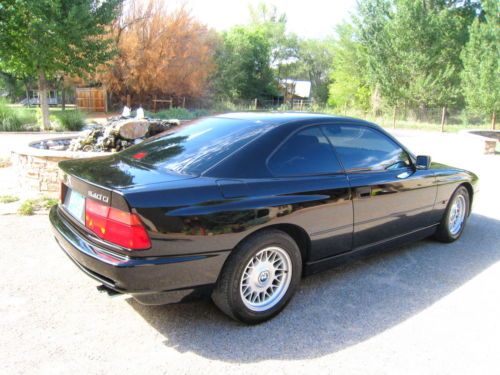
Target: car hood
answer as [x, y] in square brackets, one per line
[117, 172]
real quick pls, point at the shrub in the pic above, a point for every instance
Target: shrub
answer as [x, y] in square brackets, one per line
[71, 120]
[179, 114]
[201, 113]
[8, 198]
[14, 119]
[27, 208]
[174, 113]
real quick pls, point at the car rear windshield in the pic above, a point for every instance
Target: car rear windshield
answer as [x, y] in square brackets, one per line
[195, 147]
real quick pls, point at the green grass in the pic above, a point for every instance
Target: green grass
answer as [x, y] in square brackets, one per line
[426, 126]
[15, 119]
[30, 206]
[8, 198]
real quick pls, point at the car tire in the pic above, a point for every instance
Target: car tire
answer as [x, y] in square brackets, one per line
[259, 278]
[455, 217]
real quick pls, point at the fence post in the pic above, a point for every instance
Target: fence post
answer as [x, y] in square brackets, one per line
[105, 94]
[443, 119]
[394, 117]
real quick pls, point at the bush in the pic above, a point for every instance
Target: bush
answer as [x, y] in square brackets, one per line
[27, 208]
[174, 113]
[179, 114]
[71, 120]
[201, 113]
[14, 119]
[30, 206]
[8, 198]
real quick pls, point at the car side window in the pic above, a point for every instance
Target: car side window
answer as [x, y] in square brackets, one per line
[307, 152]
[361, 148]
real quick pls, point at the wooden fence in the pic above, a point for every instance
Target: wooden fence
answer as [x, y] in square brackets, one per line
[92, 99]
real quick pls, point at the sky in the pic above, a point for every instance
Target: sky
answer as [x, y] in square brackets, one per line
[306, 18]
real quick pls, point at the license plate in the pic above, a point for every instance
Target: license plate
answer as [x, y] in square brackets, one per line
[75, 205]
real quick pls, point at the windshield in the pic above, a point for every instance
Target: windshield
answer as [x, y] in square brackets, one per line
[197, 146]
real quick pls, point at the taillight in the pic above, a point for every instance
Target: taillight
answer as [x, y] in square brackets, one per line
[116, 226]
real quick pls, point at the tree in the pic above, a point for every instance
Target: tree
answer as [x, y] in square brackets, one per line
[44, 38]
[160, 52]
[481, 74]
[315, 60]
[284, 46]
[243, 69]
[413, 48]
[350, 86]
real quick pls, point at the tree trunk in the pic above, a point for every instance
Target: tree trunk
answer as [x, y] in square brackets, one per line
[28, 95]
[443, 119]
[394, 118]
[493, 120]
[63, 99]
[44, 102]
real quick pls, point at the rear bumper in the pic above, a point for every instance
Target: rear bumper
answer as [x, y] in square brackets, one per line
[150, 280]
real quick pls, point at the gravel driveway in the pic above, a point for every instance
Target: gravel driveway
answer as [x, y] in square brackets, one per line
[427, 308]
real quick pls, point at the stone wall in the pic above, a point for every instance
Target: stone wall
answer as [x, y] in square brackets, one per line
[38, 174]
[37, 169]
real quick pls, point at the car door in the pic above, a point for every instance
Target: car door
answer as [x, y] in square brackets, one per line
[306, 165]
[390, 197]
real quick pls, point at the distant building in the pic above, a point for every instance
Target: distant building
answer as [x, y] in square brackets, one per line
[293, 89]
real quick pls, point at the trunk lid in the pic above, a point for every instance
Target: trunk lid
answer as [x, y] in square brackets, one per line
[117, 172]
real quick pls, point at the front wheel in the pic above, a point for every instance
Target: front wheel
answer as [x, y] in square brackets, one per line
[259, 278]
[455, 217]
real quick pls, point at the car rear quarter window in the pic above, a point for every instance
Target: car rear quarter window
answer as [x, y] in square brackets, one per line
[195, 147]
[361, 148]
[307, 152]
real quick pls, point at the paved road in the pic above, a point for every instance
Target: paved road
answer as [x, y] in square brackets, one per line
[427, 308]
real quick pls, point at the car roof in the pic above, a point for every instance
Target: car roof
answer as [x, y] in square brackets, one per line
[283, 117]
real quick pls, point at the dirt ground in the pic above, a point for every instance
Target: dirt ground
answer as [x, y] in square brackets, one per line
[427, 308]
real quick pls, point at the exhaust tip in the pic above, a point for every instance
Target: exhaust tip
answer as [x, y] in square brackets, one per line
[105, 289]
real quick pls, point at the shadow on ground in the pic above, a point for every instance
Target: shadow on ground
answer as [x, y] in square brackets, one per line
[337, 308]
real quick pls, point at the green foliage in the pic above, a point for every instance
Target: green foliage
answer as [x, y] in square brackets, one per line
[13, 87]
[201, 113]
[14, 119]
[350, 86]
[413, 48]
[48, 202]
[45, 38]
[30, 206]
[27, 208]
[284, 46]
[55, 36]
[243, 65]
[173, 113]
[8, 198]
[71, 120]
[481, 74]
[315, 64]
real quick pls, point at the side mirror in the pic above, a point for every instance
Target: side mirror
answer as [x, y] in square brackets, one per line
[423, 162]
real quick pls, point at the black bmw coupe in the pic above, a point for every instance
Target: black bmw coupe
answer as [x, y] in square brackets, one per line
[241, 206]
